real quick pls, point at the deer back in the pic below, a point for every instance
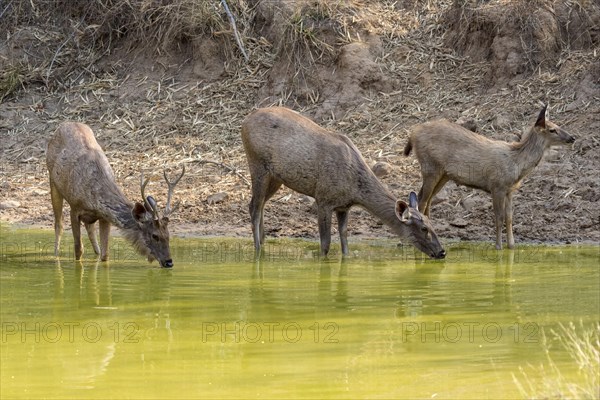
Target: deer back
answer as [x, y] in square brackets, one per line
[464, 156]
[79, 168]
[304, 156]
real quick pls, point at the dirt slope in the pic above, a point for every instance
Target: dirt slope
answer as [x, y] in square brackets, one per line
[159, 95]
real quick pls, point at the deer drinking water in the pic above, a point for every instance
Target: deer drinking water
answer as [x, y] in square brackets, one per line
[447, 151]
[283, 147]
[81, 175]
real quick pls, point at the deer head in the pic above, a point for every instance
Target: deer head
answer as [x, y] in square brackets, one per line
[153, 239]
[421, 233]
[554, 134]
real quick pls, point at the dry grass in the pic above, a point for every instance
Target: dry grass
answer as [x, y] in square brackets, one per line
[61, 41]
[101, 22]
[541, 35]
[583, 347]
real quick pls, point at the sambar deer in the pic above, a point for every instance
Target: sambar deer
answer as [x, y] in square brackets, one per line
[447, 151]
[283, 147]
[80, 174]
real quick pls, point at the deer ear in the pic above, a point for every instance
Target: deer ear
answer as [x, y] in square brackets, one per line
[541, 121]
[402, 211]
[139, 212]
[412, 200]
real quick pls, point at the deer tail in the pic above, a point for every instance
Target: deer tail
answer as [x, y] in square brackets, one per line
[408, 147]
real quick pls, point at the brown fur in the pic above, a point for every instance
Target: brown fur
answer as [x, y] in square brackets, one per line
[80, 174]
[283, 147]
[447, 151]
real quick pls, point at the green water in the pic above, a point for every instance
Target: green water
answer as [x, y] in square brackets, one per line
[383, 323]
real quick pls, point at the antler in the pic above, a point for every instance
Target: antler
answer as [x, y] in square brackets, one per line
[171, 185]
[149, 202]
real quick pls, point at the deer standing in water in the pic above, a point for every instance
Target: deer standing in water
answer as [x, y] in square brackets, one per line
[447, 151]
[81, 175]
[283, 147]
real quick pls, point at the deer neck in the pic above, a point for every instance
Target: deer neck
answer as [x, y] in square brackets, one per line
[528, 153]
[381, 203]
[117, 210]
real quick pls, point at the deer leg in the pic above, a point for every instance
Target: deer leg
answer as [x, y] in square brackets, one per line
[499, 205]
[430, 182]
[256, 220]
[257, 203]
[91, 231]
[263, 187]
[104, 236]
[76, 228]
[324, 216]
[342, 217]
[57, 208]
[509, 222]
[441, 182]
[272, 188]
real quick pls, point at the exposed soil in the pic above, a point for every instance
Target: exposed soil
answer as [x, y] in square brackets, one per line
[370, 70]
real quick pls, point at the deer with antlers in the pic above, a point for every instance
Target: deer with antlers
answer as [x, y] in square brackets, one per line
[81, 174]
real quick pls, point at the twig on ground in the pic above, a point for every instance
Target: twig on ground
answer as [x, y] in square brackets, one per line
[224, 166]
[56, 55]
[235, 31]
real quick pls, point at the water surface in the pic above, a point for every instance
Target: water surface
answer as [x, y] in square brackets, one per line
[382, 323]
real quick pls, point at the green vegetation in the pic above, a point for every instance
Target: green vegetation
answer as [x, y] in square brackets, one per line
[11, 80]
